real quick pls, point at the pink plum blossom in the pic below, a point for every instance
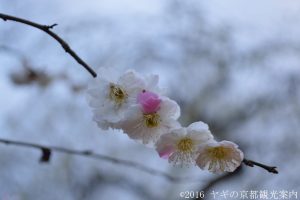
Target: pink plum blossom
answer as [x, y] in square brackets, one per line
[149, 101]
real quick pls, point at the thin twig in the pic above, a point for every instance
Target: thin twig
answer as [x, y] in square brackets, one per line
[251, 163]
[47, 29]
[46, 153]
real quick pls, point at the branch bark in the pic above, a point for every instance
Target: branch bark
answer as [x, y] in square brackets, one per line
[47, 29]
[251, 163]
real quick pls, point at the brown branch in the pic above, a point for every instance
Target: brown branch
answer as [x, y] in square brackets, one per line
[47, 29]
[252, 163]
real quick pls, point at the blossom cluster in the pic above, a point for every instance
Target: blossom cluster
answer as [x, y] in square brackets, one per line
[137, 105]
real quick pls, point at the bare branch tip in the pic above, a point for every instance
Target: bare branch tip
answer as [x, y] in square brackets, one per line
[251, 163]
[273, 170]
[53, 25]
[46, 28]
[50, 26]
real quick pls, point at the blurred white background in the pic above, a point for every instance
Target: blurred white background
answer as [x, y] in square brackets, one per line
[233, 64]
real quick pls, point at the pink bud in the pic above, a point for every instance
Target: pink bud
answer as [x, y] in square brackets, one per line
[150, 101]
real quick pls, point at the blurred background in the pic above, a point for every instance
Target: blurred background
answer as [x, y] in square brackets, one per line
[232, 64]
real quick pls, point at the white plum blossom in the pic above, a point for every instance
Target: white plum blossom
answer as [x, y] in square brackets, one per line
[135, 104]
[180, 145]
[151, 117]
[112, 94]
[219, 157]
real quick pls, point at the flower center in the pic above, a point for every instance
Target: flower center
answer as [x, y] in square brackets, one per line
[117, 94]
[218, 152]
[185, 145]
[151, 120]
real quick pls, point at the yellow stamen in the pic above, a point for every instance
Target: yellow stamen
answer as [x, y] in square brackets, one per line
[117, 94]
[185, 145]
[151, 120]
[218, 152]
